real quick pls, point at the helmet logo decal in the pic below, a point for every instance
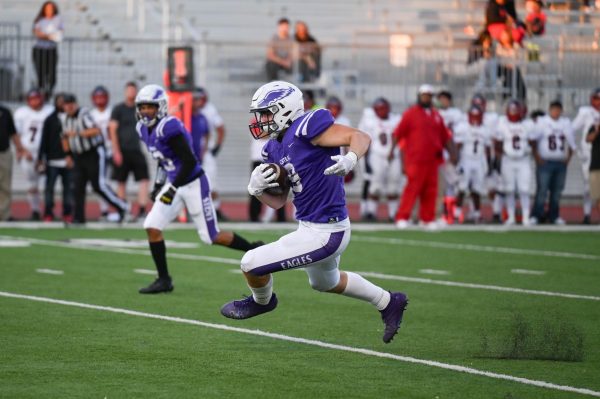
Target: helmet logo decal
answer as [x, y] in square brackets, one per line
[277, 94]
[157, 94]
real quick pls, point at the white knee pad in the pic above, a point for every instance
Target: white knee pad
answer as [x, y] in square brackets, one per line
[247, 263]
[323, 280]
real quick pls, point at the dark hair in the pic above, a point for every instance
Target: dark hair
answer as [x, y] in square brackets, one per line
[99, 90]
[536, 114]
[283, 20]
[445, 93]
[131, 83]
[69, 98]
[40, 14]
[556, 103]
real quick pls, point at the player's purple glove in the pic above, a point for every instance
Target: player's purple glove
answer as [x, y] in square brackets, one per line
[343, 164]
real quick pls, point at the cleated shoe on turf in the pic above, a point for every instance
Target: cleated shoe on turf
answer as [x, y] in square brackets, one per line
[247, 308]
[159, 285]
[392, 315]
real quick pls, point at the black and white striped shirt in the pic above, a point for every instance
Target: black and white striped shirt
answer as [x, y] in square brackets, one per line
[82, 120]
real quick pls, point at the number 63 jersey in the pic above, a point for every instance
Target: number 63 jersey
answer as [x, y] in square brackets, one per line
[318, 198]
[514, 137]
[554, 138]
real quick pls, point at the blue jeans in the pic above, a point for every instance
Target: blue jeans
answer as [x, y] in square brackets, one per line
[550, 176]
[52, 174]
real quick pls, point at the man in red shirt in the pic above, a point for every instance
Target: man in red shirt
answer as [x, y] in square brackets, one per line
[423, 137]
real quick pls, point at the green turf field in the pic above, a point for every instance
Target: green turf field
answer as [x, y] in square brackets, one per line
[502, 311]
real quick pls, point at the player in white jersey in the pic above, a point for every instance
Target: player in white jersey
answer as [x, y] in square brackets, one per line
[494, 179]
[101, 116]
[512, 148]
[452, 117]
[386, 174]
[29, 121]
[215, 141]
[587, 117]
[473, 140]
[553, 144]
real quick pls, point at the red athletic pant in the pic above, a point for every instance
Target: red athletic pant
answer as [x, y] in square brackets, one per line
[422, 184]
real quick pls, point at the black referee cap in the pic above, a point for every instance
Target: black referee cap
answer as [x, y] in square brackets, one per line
[69, 98]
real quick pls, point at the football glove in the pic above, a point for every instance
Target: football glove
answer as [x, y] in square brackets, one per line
[215, 150]
[155, 190]
[167, 197]
[343, 164]
[261, 179]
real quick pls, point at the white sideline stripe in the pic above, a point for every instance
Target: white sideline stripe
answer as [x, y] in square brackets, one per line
[145, 271]
[368, 274]
[50, 271]
[472, 247]
[78, 245]
[527, 271]
[434, 271]
[312, 342]
[478, 286]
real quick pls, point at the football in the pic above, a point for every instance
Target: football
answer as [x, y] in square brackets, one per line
[281, 177]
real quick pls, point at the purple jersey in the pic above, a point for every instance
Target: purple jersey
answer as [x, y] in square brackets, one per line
[318, 198]
[157, 141]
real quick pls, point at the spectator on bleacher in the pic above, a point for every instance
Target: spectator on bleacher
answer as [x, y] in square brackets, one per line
[508, 69]
[8, 132]
[279, 52]
[424, 137]
[480, 47]
[52, 160]
[128, 156]
[84, 145]
[535, 21]
[552, 144]
[501, 15]
[309, 54]
[101, 116]
[48, 29]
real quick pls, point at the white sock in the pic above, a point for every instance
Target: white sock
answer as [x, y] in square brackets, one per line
[363, 207]
[525, 205]
[34, 201]
[497, 204]
[587, 204]
[263, 295]
[372, 207]
[268, 214]
[392, 208]
[103, 206]
[216, 203]
[359, 288]
[510, 206]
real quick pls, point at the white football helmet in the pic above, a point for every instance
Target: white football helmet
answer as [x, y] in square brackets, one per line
[155, 95]
[275, 106]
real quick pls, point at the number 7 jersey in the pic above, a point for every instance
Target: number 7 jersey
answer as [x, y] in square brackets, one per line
[514, 137]
[29, 124]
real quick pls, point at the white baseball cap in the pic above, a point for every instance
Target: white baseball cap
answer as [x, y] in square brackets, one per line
[426, 89]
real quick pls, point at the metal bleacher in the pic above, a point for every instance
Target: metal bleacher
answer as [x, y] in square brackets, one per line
[112, 41]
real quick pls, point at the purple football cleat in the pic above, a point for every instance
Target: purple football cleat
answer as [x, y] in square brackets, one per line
[247, 308]
[392, 315]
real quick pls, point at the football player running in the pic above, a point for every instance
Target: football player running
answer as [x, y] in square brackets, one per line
[511, 142]
[587, 117]
[473, 141]
[29, 121]
[180, 181]
[305, 144]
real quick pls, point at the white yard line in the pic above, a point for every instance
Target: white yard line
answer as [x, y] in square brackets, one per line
[435, 272]
[50, 271]
[145, 271]
[528, 271]
[230, 261]
[311, 342]
[477, 286]
[473, 247]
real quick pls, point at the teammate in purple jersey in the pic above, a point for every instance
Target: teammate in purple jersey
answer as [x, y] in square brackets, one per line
[305, 145]
[180, 181]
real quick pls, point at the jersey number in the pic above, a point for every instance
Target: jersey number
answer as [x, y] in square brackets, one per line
[166, 163]
[552, 144]
[475, 146]
[516, 142]
[294, 177]
[383, 139]
[33, 130]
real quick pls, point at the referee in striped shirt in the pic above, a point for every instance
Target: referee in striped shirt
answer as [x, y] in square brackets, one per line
[84, 144]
